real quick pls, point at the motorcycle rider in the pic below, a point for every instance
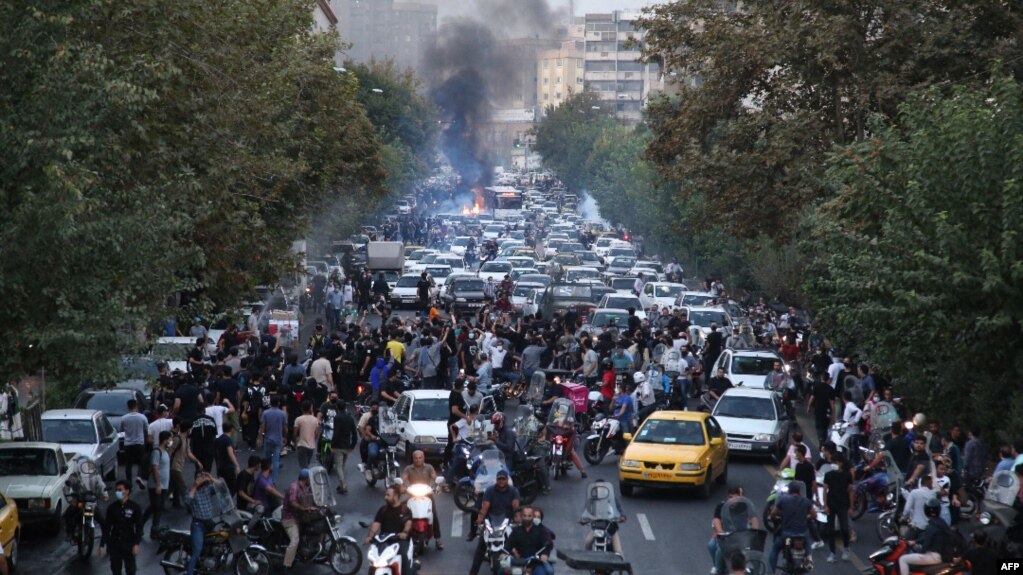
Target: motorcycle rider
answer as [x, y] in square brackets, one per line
[612, 528]
[736, 513]
[567, 430]
[528, 540]
[297, 500]
[501, 499]
[930, 541]
[913, 511]
[421, 472]
[393, 517]
[718, 384]
[794, 512]
[122, 528]
[79, 485]
[200, 500]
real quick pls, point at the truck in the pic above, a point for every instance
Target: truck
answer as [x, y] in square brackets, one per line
[386, 257]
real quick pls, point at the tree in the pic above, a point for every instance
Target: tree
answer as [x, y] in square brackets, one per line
[917, 261]
[153, 149]
[565, 137]
[766, 90]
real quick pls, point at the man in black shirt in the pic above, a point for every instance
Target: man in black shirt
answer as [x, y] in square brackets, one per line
[394, 517]
[499, 500]
[822, 403]
[202, 438]
[718, 384]
[246, 484]
[805, 472]
[456, 410]
[342, 442]
[898, 446]
[197, 356]
[423, 291]
[527, 540]
[712, 348]
[122, 530]
[919, 462]
[186, 403]
[392, 389]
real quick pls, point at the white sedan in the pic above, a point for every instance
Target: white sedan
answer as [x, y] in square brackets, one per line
[617, 301]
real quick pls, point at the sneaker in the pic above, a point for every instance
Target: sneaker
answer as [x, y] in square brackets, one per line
[362, 467]
[140, 483]
[845, 555]
[713, 571]
[817, 545]
[831, 558]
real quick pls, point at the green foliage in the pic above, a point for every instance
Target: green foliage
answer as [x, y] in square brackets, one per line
[149, 149]
[918, 259]
[567, 134]
[780, 83]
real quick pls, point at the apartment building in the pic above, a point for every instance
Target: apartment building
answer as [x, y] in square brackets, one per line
[382, 29]
[559, 74]
[611, 64]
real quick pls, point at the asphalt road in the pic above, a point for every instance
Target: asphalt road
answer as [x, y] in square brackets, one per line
[665, 532]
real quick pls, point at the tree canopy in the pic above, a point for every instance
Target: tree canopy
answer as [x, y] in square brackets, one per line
[149, 149]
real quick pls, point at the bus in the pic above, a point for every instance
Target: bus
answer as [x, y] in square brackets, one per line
[504, 201]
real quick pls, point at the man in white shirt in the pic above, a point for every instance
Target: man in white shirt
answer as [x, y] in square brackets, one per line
[644, 393]
[161, 423]
[320, 371]
[914, 508]
[834, 369]
[790, 460]
[216, 413]
[852, 416]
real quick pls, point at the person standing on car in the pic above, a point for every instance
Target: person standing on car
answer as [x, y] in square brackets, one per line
[122, 530]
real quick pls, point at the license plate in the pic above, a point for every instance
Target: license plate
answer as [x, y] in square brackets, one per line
[656, 475]
[740, 446]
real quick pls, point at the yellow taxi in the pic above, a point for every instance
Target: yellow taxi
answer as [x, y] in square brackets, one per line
[674, 449]
[10, 531]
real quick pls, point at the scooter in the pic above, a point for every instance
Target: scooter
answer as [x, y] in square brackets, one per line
[496, 530]
[420, 505]
[885, 561]
[781, 484]
[605, 437]
[795, 558]
[997, 514]
[385, 558]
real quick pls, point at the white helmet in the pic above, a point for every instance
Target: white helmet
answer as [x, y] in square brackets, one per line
[639, 377]
[919, 420]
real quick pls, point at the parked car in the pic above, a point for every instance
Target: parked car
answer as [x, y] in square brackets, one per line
[754, 421]
[703, 316]
[33, 474]
[112, 402]
[423, 422]
[85, 432]
[674, 449]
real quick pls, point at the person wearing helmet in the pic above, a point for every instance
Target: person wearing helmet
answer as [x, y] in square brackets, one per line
[930, 542]
[644, 391]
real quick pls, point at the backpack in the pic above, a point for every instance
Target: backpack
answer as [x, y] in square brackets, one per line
[953, 545]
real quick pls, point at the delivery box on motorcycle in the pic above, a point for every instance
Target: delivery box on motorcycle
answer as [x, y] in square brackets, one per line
[578, 394]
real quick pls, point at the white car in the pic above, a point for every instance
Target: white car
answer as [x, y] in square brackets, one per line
[423, 422]
[458, 245]
[616, 301]
[747, 368]
[622, 284]
[417, 256]
[493, 231]
[646, 272]
[581, 274]
[456, 262]
[34, 474]
[520, 294]
[688, 298]
[654, 266]
[404, 207]
[754, 422]
[83, 432]
[703, 316]
[439, 274]
[661, 293]
[606, 243]
[406, 291]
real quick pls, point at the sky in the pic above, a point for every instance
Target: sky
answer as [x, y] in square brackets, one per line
[449, 7]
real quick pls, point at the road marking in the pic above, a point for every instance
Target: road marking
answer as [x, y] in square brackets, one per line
[644, 524]
[456, 523]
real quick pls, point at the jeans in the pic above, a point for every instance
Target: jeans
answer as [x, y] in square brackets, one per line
[452, 372]
[305, 457]
[272, 451]
[372, 451]
[291, 528]
[712, 548]
[198, 537]
[930, 558]
[779, 542]
[340, 458]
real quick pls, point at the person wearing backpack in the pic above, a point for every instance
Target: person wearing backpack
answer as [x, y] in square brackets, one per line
[931, 543]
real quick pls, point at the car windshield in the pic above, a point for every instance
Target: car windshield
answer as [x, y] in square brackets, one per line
[623, 262]
[439, 272]
[572, 292]
[428, 259]
[453, 262]
[671, 432]
[669, 291]
[460, 242]
[468, 285]
[752, 365]
[599, 292]
[604, 242]
[28, 462]
[696, 299]
[624, 252]
[172, 351]
[112, 404]
[69, 431]
[744, 407]
[705, 318]
[523, 290]
[430, 409]
[622, 302]
[495, 228]
[497, 267]
[576, 275]
[623, 283]
[600, 319]
[542, 279]
[408, 281]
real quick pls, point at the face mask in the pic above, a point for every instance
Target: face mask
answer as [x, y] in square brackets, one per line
[458, 332]
[119, 495]
[537, 521]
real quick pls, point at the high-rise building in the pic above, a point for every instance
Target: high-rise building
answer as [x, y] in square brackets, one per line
[382, 29]
[560, 73]
[612, 66]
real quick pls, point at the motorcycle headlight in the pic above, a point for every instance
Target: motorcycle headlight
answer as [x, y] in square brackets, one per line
[985, 518]
[689, 466]
[769, 437]
[423, 439]
[630, 463]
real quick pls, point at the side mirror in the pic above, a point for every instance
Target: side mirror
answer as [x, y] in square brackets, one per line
[627, 436]
[716, 441]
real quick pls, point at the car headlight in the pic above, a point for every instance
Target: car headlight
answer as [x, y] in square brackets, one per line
[985, 518]
[630, 463]
[422, 439]
[769, 437]
[689, 466]
[38, 503]
[460, 299]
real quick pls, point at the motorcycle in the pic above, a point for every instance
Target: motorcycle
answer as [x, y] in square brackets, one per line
[320, 537]
[602, 514]
[386, 467]
[838, 435]
[875, 492]
[605, 436]
[82, 493]
[560, 423]
[496, 530]
[781, 484]
[225, 545]
[420, 505]
[749, 542]
[795, 558]
[997, 514]
[885, 561]
[384, 557]
[483, 468]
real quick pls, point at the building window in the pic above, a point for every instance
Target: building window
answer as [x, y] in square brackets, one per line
[546, 96]
[558, 95]
[559, 62]
[545, 81]
[578, 79]
[558, 81]
[545, 64]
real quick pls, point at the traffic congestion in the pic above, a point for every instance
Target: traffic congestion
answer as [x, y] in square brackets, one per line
[497, 380]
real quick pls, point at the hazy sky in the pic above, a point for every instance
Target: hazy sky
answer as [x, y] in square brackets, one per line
[448, 7]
